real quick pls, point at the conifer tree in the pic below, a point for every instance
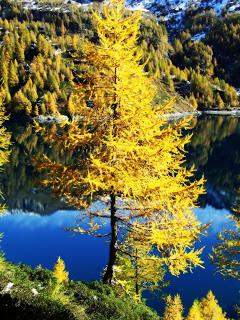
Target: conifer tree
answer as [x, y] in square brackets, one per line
[62, 28]
[33, 95]
[193, 101]
[50, 103]
[43, 108]
[70, 105]
[130, 155]
[219, 102]
[195, 312]
[210, 308]
[5, 73]
[22, 103]
[173, 309]
[59, 272]
[20, 52]
[13, 75]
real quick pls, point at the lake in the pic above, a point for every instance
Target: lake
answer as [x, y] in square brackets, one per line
[34, 225]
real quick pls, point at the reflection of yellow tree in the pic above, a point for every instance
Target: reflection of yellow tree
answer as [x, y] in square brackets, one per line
[4, 142]
[216, 130]
[226, 254]
[129, 154]
[19, 177]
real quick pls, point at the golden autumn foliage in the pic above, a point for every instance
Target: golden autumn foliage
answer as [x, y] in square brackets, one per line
[210, 308]
[174, 308]
[59, 272]
[130, 157]
[4, 142]
[58, 292]
[206, 309]
[226, 254]
[4, 137]
[135, 273]
[195, 312]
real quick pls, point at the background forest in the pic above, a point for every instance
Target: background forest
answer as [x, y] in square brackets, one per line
[41, 54]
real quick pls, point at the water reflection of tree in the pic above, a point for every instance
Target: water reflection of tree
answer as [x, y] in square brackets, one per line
[215, 152]
[19, 181]
[226, 254]
[4, 146]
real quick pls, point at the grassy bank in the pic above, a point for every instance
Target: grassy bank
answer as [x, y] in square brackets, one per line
[35, 294]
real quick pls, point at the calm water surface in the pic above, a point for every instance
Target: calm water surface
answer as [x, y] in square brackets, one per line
[34, 224]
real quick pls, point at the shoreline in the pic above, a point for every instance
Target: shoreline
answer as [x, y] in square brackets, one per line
[178, 115]
[170, 116]
[222, 112]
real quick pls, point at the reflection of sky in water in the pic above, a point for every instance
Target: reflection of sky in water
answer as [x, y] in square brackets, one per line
[35, 239]
[219, 219]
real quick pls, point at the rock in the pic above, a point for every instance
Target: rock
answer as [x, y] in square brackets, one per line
[34, 291]
[51, 118]
[7, 288]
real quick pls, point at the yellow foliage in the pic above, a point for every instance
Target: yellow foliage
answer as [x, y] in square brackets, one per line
[134, 274]
[4, 142]
[130, 154]
[4, 137]
[174, 308]
[195, 312]
[210, 308]
[226, 253]
[59, 272]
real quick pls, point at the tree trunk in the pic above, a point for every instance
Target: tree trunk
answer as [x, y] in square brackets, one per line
[107, 278]
[136, 273]
[113, 244]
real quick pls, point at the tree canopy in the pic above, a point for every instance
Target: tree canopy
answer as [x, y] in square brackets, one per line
[130, 157]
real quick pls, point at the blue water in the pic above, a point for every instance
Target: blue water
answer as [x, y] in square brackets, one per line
[34, 227]
[35, 239]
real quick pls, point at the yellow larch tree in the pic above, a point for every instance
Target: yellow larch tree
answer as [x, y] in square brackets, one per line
[173, 309]
[59, 272]
[210, 308]
[195, 312]
[128, 154]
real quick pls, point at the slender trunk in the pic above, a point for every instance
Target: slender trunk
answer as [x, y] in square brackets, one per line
[108, 276]
[113, 244]
[136, 274]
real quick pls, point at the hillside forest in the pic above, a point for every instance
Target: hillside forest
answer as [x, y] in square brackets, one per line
[42, 57]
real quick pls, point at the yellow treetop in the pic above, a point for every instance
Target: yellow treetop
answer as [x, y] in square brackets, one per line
[195, 312]
[173, 309]
[211, 309]
[59, 272]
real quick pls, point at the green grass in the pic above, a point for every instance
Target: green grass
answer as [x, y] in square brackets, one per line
[76, 300]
